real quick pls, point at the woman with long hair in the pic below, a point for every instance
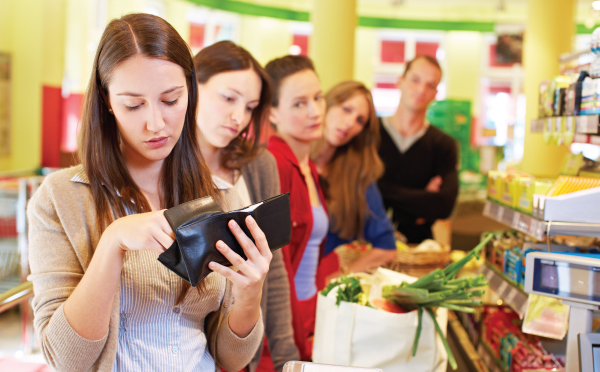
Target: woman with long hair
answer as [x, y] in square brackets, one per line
[102, 300]
[297, 114]
[349, 166]
[234, 96]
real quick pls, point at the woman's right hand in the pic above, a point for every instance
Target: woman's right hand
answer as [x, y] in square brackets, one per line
[143, 231]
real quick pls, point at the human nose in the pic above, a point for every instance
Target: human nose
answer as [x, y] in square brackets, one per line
[316, 108]
[237, 116]
[155, 122]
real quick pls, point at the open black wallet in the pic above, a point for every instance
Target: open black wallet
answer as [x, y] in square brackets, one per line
[199, 224]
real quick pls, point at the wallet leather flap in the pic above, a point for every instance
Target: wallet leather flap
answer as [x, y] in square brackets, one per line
[185, 212]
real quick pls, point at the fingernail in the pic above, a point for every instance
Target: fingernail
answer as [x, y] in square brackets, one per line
[220, 244]
[249, 219]
[212, 265]
[232, 223]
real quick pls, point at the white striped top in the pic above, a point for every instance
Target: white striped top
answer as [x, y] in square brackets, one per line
[154, 334]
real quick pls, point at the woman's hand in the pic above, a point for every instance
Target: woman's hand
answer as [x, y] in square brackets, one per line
[248, 281]
[143, 231]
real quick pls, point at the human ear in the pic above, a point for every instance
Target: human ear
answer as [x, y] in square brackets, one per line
[274, 115]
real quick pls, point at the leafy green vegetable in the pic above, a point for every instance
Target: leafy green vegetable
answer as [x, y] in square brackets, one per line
[439, 288]
[349, 289]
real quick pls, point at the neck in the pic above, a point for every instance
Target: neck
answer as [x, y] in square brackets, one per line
[300, 149]
[146, 174]
[324, 155]
[407, 121]
[211, 155]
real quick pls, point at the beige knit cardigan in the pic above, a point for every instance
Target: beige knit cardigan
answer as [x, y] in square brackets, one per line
[62, 238]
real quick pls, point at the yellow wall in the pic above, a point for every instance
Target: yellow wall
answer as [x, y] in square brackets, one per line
[265, 38]
[365, 55]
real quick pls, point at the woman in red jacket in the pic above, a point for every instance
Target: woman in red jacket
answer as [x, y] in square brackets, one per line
[297, 113]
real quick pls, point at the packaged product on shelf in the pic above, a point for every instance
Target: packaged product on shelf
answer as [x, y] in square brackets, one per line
[588, 96]
[546, 317]
[559, 101]
[574, 93]
[526, 188]
[543, 97]
[493, 184]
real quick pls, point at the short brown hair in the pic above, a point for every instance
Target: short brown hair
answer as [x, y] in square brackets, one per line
[429, 59]
[226, 56]
[280, 68]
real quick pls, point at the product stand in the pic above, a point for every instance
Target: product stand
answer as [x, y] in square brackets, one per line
[580, 321]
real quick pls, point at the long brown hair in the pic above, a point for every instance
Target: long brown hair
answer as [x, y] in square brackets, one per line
[184, 176]
[353, 167]
[226, 56]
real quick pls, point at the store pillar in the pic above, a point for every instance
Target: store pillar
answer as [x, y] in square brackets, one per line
[332, 41]
[549, 33]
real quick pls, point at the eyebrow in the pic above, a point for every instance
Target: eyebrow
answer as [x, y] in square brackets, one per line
[139, 95]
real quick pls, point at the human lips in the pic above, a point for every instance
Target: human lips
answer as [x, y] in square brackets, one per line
[232, 130]
[314, 126]
[341, 133]
[157, 142]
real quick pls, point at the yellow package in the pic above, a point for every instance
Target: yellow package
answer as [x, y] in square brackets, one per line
[493, 184]
[546, 317]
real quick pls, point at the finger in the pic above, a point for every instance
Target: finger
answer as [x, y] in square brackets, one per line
[234, 258]
[260, 239]
[228, 273]
[165, 225]
[248, 246]
[163, 239]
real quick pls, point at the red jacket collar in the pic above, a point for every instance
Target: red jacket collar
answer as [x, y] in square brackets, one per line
[278, 145]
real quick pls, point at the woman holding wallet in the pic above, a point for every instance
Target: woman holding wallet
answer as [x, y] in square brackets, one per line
[234, 95]
[297, 110]
[347, 160]
[102, 300]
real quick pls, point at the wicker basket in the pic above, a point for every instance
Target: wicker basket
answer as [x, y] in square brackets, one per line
[413, 270]
[420, 258]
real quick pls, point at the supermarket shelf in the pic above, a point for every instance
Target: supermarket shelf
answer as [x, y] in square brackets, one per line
[469, 355]
[570, 56]
[584, 124]
[518, 221]
[491, 361]
[510, 292]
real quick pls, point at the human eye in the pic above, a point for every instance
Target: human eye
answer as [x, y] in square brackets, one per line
[319, 97]
[346, 109]
[228, 98]
[133, 108]
[299, 104]
[172, 103]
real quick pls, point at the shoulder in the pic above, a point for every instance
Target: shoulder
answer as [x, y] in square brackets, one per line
[63, 185]
[264, 163]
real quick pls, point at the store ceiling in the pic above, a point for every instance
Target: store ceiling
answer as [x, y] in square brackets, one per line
[450, 10]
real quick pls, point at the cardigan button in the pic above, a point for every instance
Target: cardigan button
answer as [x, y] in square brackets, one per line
[294, 224]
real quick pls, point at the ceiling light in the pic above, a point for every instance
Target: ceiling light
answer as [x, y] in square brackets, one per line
[596, 5]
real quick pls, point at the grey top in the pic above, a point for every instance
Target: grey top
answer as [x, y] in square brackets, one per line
[262, 179]
[63, 236]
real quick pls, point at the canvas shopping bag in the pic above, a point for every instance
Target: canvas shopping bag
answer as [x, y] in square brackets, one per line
[354, 335]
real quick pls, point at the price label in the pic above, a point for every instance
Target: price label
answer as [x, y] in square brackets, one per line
[549, 125]
[570, 124]
[557, 125]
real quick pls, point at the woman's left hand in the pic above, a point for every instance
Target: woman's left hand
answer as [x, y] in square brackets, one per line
[248, 281]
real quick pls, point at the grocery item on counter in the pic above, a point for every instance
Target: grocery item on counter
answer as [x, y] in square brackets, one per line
[569, 184]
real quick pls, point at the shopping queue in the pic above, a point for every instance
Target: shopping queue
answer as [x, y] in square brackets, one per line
[160, 129]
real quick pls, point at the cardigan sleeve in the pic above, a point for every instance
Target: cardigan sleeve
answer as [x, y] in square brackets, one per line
[56, 270]
[234, 352]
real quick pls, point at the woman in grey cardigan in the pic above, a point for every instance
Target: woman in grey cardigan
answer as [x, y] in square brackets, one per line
[102, 300]
[234, 94]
